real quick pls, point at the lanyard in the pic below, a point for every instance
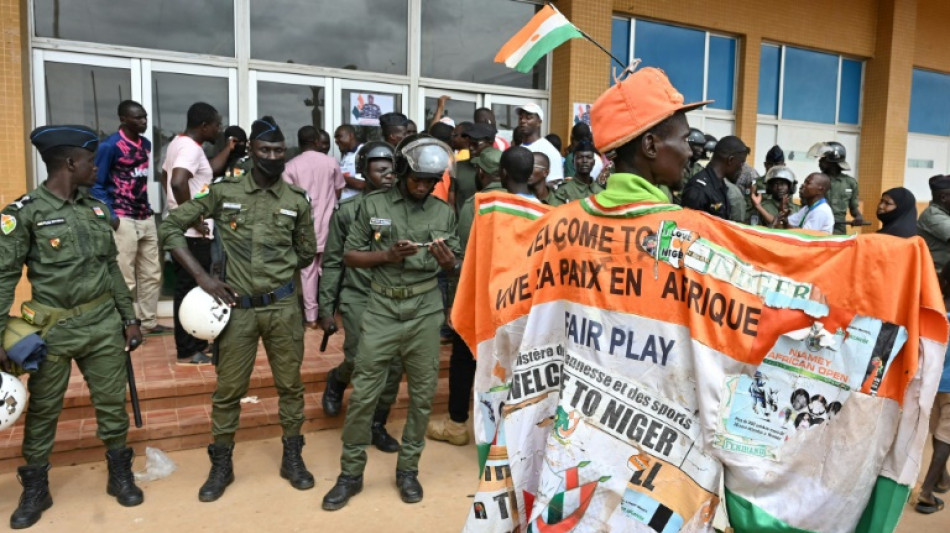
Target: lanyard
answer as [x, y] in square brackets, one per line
[809, 209]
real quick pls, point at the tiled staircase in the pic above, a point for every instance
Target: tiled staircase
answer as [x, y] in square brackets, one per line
[176, 404]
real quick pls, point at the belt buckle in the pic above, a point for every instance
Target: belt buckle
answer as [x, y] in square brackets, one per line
[399, 292]
[258, 301]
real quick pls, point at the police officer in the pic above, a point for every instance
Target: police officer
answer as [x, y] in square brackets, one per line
[843, 195]
[348, 290]
[404, 236]
[266, 230]
[779, 183]
[707, 191]
[81, 302]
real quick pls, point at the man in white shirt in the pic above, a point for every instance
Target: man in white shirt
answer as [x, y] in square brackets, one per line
[187, 174]
[530, 117]
[347, 140]
[815, 214]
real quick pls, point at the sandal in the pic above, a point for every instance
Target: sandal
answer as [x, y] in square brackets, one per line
[929, 508]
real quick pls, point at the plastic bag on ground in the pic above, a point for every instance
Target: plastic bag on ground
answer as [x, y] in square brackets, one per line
[158, 465]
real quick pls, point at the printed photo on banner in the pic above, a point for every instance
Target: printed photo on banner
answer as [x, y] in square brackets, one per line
[581, 113]
[805, 380]
[366, 108]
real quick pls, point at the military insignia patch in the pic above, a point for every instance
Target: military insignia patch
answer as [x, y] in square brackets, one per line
[7, 224]
[203, 192]
[99, 212]
[28, 314]
[55, 243]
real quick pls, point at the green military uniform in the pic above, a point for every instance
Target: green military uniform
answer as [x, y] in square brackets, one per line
[350, 295]
[842, 196]
[267, 236]
[402, 319]
[465, 178]
[574, 189]
[552, 200]
[772, 207]
[934, 226]
[737, 211]
[81, 301]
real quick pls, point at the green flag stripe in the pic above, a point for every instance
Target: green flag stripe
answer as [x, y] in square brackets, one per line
[546, 44]
[745, 517]
[885, 507]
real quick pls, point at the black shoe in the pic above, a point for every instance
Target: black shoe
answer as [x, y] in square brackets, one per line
[292, 467]
[35, 498]
[222, 472]
[333, 395]
[383, 441]
[121, 481]
[346, 487]
[409, 488]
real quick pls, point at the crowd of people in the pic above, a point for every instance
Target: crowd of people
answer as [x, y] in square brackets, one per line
[375, 239]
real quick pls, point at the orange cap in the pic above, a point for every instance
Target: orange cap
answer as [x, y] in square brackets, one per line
[633, 106]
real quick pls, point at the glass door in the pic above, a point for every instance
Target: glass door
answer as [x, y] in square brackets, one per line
[460, 107]
[294, 101]
[168, 90]
[504, 109]
[82, 89]
[361, 104]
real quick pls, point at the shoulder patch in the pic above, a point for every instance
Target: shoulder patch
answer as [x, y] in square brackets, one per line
[203, 192]
[7, 224]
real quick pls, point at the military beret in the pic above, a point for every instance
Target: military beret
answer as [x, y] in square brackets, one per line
[480, 130]
[267, 130]
[939, 183]
[775, 155]
[489, 160]
[46, 137]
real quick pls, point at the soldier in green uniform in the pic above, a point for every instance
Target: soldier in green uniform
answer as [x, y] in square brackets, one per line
[348, 290]
[934, 223]
[404, 236]
[780, 182]
[64, 236]
[266, 229]
[843, 195]
[582, 184]
[538, 182]
[479, 137]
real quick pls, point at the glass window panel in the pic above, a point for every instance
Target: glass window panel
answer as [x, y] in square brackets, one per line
[770, 64]
[929, 105]
[811, 86]
[721, 85]
[454, 47]
[83, 94]
[370, 35]
[678, 51]
[293, 107]
[172, 95]
[457, 110]
[619, 43]
[205, 27]
[849, 107]
[355, 112]
[507, 119]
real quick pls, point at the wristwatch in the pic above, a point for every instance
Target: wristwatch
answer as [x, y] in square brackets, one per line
[132, 322]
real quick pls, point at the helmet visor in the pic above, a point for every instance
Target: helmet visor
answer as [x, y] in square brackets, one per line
[429, 158]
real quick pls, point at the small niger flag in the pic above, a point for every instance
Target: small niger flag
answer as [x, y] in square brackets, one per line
[546, 30]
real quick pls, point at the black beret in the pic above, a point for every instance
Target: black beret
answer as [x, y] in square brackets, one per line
[266, 129]
[46, 137]
[479, 131]
[939, 183]
[775, 155]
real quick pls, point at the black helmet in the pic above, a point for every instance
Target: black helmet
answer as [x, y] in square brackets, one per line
[373, 150]
[696, 137]
[425, 156]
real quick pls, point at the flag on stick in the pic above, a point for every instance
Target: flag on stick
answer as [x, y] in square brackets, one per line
[546, 30]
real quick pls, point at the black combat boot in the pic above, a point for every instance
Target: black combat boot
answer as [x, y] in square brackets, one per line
[35, 498]
[222, 472]
[410, 490]
[346, 487]
[292, 467]
[381, 438]
[121, 481]
[333, 395]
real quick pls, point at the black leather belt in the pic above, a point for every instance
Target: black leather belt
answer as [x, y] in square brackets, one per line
[262, 300]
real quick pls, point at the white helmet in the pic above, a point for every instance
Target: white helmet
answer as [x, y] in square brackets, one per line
[12, 400]
[202, 316]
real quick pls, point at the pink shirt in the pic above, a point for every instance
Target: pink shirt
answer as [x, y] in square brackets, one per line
[184, 152]
[319, 175]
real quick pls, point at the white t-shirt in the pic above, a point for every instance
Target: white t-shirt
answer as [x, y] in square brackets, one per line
[348, 168]
[184, 152]
[817, 217]
[556, 172]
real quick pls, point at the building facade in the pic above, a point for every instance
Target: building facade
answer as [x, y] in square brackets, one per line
[870, 74]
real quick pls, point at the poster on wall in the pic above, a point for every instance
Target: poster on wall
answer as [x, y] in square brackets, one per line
[366, 108]
[581, 113]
